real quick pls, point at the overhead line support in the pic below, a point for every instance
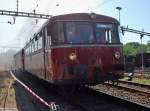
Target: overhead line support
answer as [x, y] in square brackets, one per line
[24, 14]
[142, 33]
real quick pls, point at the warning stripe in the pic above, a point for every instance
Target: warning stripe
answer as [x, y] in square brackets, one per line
[51, 105]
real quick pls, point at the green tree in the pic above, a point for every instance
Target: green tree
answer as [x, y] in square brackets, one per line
[130, 49]
[148, 47]
[133, 48]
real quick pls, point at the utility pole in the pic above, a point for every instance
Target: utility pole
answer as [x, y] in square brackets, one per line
[119, 9]
[17, 5]
[142, 66]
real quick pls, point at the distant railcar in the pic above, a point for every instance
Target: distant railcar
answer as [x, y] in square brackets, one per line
[19, 60]
[129, 63]
[146, 60]
[75, 48]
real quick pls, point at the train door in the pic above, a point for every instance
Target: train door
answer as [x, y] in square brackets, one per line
[44, 53]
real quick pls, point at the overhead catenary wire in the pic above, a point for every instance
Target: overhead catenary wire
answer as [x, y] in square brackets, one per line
[101, 4]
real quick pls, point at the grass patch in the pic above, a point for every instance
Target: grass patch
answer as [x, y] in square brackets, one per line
[138, 80]
[5, 81]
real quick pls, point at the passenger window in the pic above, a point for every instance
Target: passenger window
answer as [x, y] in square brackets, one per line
[26, 50]
[48, 36]
[36, 44]
[40, 43]
[29, 48]
[32, 47]
[39, 40]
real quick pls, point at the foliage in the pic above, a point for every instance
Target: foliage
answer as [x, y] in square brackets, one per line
[133, 48]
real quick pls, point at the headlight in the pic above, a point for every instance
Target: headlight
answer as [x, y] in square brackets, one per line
[73, 56]
[117, 55]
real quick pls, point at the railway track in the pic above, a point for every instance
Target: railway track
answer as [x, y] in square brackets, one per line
[92, 100]
[131, 92]
[86, 99]
[136, 86]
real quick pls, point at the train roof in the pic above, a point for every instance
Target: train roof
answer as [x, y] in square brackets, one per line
[84, 17]
[78, 17]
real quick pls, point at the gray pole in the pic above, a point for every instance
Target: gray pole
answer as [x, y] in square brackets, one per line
[119, 8]
[142, 54]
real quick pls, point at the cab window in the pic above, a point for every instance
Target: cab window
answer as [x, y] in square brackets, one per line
[57, 33]
[106, 33]
[79, 32]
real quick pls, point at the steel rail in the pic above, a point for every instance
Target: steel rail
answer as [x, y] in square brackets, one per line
[133, 83]
[128, 88]
[89, 100]
[120, 101]
[99, 94]
[126, 101]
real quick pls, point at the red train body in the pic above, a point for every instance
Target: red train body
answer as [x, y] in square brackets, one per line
[75, 49]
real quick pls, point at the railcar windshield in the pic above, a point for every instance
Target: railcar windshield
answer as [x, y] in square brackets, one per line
[83, 33]
[106, 33]
[79, 32]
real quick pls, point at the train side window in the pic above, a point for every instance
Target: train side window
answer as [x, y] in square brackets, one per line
[47, 31]
[32, 49]
[29, 48]
[33, 43]
[57, 33]
[26, 51]
[39, 41]
[36, 43]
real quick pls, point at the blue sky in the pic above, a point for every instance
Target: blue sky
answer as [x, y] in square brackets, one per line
[134, 13]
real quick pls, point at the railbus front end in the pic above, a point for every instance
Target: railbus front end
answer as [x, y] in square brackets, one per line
[82, 49]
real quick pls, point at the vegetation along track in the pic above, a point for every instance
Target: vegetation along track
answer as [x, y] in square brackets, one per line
[85, 99]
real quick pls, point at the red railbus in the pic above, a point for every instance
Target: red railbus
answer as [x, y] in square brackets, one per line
[77, 48]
